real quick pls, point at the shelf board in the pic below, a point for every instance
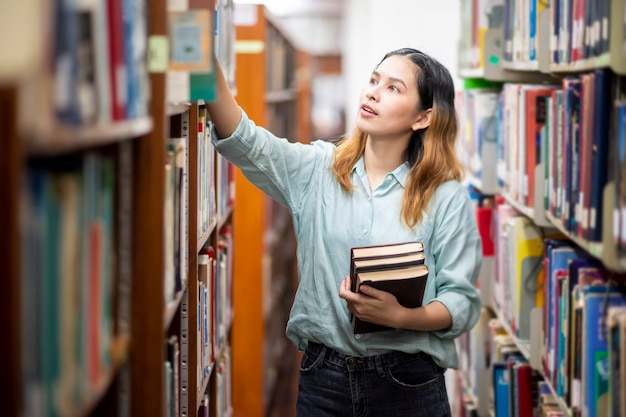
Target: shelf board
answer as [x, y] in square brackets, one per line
[63, 139]
[472, 72]
[605, 250]
[281, 96]
[207, 377]
[177, 108]
[478, 183]
[172, 307]
[559, 225]
[526, 211]
[474, 181]
[202, 390]
[521, 66]
[522, 345]
[206, 234]
[582, 65]
[224, 218]
[566, 410]
[536, 213]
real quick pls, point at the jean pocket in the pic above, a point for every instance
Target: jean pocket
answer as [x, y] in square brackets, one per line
[417, 373]
[312, 360]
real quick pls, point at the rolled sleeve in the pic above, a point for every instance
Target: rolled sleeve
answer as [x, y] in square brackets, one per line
[235, 146]
[280, 168]
[458, 256]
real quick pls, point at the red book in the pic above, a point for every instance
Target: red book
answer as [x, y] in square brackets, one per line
[94, 309]
[117, 60]
[484, 221]
[536, 112]
[524, 390]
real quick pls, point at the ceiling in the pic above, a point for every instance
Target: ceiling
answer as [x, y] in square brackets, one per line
[313, 26]
[306, 8]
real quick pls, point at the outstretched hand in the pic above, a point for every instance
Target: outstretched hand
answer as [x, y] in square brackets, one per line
[371, 304]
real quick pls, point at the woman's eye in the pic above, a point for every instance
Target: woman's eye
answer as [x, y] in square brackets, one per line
[394, 88]
[373, 81]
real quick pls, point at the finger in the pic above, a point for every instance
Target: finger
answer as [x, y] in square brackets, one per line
[350, 307]
[346, 283]
[344, 291]
[371, 291]
[347, 294]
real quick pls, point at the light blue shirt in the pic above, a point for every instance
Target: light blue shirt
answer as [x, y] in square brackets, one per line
[329, 221]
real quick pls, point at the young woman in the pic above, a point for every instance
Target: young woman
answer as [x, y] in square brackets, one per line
[396, 179]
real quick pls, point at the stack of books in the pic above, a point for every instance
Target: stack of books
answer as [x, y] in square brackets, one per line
[396, 268]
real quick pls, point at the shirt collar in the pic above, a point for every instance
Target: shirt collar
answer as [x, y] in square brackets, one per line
[400, 173]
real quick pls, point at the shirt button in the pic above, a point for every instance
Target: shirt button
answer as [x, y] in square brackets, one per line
[389, 177]
[364, 231]
[357, 336]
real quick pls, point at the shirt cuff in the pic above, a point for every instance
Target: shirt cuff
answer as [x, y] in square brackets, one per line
[235, 144]
[461, 311]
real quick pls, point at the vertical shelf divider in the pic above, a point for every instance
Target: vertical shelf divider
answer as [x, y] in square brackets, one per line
[147, 306]
[192, 247]
[10, 174]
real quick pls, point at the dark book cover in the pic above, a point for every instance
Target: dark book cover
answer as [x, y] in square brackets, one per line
[600, 151]
[409, 291]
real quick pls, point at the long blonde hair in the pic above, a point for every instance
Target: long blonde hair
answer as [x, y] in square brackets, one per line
[431, 151]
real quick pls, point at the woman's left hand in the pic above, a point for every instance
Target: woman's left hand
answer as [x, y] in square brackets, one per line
[371, 304]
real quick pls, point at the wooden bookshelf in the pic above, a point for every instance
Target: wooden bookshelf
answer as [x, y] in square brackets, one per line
[276, 95]
[248, 327]
[128, 375]
[11, 168]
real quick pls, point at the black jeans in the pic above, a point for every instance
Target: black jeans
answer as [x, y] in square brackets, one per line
[394, 384]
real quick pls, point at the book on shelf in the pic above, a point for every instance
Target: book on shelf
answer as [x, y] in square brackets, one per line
[118, 74]
[581, 272]
[191, 72]
[395, 268]
[525, 246]
[479, 144]
[557, 254]
[173, 381]
[596, 300]
[618, 165]
[537, 99]
[600, 152]
[616, 329]
[501, 390]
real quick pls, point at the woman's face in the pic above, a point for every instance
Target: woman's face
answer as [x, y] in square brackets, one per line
[389, 102]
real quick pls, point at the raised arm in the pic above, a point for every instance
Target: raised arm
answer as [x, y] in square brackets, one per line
[225, 112]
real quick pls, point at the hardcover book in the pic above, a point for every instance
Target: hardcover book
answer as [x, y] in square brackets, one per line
[397, 268]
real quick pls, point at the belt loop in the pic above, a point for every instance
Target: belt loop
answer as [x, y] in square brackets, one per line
[322, 355]
[378, 361]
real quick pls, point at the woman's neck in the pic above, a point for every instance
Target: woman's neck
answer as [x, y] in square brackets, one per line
[382, 157]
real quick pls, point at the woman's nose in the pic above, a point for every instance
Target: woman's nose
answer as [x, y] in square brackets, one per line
[371, 93]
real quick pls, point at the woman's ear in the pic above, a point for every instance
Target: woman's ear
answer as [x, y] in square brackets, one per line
[423, 120]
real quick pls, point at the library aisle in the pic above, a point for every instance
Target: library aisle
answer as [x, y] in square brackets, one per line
[129, 240]
[283, 402]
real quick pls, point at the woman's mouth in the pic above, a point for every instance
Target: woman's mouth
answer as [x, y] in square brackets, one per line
[367, 109]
